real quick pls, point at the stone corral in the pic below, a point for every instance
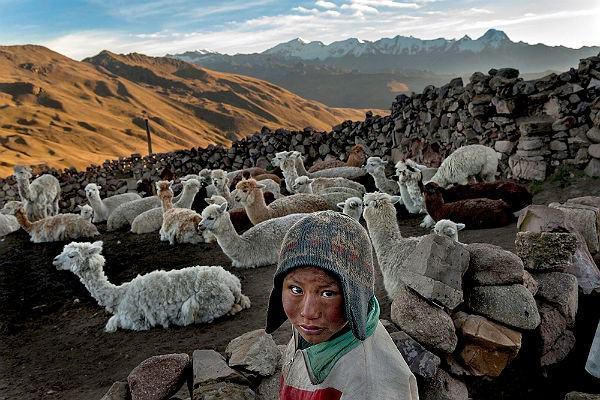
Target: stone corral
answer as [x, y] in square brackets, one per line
[536, 125]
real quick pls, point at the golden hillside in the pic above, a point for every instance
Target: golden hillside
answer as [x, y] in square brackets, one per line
[62, 112]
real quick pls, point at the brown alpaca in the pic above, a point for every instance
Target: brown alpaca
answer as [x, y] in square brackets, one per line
[249, 194]
[515, 195]
[236, 176]
[180, 225]
[356, 158]
[474, 213]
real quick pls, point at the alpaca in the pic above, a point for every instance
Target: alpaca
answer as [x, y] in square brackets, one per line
[104, 207]
[238, 218]
[409, 180]
[466, 161]
[86, 212]
[249, 193]
[262, 177]
[304, 184]
[271, 186]
[8, 222]
[40, 197]
[515, 195]
[236, 176]
[352, 207]
[445, 227]
[53, 228]
[221, 183]
[180, 297]
[390, 247]
[356, 158]
[338, 172]
[258, 246]
[125, 213]
[474, 213]
[375, 166]
[180, 225]
[151, 220]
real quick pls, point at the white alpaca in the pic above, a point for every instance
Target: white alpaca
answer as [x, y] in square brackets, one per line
[204, 178]
[221, 183]
[151, 220]
[178, 297]
[445, 227]
[304, 184]
[86, 212]
[180, 225]
[40, 197]
[292, 170]
[375, 166]
[257, 246]
[124, 214]
[53, 228]
[104, 207]
[352, 207]
[390, 247]
[408, 183]
[464, 162]
[8, 222]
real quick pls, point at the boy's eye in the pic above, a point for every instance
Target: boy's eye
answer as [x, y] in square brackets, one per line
[295, 289]
[328, 293]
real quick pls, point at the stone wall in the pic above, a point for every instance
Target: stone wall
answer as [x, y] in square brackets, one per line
[536, 126]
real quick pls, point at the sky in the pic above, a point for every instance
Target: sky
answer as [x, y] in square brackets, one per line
[80, 29]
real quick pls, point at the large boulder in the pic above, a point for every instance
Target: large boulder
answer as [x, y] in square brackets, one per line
[255, 352]
[268, 389]
[492, 265]
[158, 377]
[435, 269]
[443, 387]
[556, 339]
[429, 325]
[511, 305]
[560, 291]
[421, 361]
[210, 367]
[586, 220]
[546, 251]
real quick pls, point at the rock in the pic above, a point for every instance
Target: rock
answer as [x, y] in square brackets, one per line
[522, 168]
[557, 340]
[593, 134]
[324, 149]
[492, 265]
[118, 391]
[594, 150]
[580, 395]
[254, 351]
[504, 146]
[443, 387]
[593, 168]
[224, 391]
[210, 366]
[546, 251]
[559, 290]
[564, 123]
[420, 361]
[593, 201]
[535, 126]
[268, 389]
[435, 269]
[511, 305]
[530, 283]
[558, 145]
[429, 325]
[158, 377]
[530, 144]
[586, 220]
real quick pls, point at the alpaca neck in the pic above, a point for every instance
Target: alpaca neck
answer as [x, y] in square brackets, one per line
[290, 175]
[97, 204]
[258, 210]
[410, 205]
[227, 237]
[23, 220]
[301, 170]
[166, 201]
[187, 198]
[24, 190]
[386, 237]
[226, 193]
[381, 181]
[106, 294]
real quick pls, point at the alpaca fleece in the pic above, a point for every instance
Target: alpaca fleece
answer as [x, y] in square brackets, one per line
[466, 161]
[40, 197]
[375, 166]
[104, 207]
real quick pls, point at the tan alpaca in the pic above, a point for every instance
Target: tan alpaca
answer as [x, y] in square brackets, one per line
[356, 158]
[180, 225]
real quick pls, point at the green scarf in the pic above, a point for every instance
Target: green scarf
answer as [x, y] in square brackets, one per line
[321, 358]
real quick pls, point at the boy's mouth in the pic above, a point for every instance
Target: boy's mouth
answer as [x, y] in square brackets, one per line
[311, 329]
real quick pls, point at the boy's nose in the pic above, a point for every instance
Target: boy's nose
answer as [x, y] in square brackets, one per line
[310, 307]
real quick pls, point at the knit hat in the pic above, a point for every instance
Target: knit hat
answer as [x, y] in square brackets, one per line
[338, 245]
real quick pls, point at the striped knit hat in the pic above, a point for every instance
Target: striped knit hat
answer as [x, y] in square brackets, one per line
[340, 246]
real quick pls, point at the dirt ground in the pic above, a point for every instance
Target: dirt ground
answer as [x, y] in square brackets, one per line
[52, 343]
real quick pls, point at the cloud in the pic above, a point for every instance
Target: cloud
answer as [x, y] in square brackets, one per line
[384, 4]
[476, 11]
[360, 8]
[325, 4]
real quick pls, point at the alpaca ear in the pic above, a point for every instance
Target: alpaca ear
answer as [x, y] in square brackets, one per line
[341, 205]
[395, 199]
[96, 247]
[79, 206]
[460, 227]
[223, 207]
[310, 180]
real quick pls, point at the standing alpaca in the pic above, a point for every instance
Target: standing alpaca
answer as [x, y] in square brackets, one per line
[467, 161]
[356, 158]
[445, 227]
[390, 247]
[249, 194]
[474, 213]
[180, 225]
[375, 166]
[257, 246]
[104, 207]
[178, 297]
[40, 197]
[352, 207]
[54, 228]
[151, 220]
[408, 180]
[8, 222]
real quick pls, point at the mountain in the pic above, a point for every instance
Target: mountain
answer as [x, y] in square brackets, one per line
[63, 113]
[361, 73]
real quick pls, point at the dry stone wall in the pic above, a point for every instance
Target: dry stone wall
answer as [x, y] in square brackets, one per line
[536, 125]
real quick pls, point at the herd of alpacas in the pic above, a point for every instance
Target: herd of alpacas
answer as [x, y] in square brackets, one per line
[247, 214]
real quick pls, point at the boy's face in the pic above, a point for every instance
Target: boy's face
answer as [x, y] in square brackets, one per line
[314, 304]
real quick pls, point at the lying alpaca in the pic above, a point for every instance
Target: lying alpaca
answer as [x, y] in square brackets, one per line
[40, 197]
[249, 194]
[375, 166]
[151, 220]
[54, 228]
[178, 297]
[238, 218]
[258, 246]
[466, 161]
[8, 222]
[474, 213]
[86, 212]
[124, 214]
[356, 158]
[515, 195]
[180, 225]
[304, 184]
[445, 227]
[104, 207]
[338, 172]
[352, 207]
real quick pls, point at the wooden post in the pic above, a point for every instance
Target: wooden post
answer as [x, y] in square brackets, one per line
[149, 137]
